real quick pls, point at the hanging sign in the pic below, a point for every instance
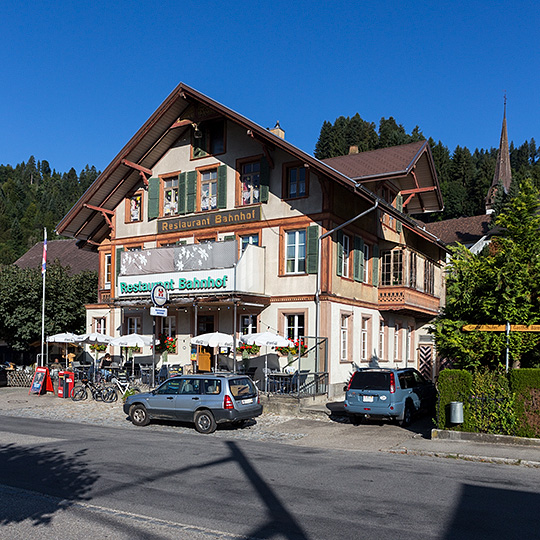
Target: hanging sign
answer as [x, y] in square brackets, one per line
[41, 383]
[159, 295]
[501, 328]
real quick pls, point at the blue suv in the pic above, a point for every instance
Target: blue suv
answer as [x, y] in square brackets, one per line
[396, 394]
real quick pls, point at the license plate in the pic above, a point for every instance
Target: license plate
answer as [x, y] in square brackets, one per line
[367, 399]
[247, 401]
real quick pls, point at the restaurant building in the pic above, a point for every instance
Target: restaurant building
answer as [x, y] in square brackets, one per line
[248, 233]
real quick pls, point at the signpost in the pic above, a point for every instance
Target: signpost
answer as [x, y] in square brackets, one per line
[502, 328]
[160, 297]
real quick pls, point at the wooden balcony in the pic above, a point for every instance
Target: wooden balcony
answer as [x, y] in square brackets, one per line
[408, 301]
[104, 296]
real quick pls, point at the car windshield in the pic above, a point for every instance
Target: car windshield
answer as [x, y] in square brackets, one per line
[370, 380]
[242, 387]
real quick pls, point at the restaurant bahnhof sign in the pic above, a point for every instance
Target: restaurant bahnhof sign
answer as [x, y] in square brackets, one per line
[216, 219]
[177, 282]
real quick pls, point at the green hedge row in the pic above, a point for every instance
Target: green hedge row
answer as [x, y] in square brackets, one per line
[492, 401]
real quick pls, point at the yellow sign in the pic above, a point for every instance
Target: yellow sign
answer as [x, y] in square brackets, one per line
[501, 328]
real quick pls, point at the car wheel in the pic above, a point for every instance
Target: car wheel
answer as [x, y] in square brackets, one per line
[205, 422]
[407, 415]
[139, 415]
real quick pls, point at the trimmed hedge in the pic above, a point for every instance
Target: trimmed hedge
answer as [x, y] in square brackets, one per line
[453, 385]
[525, 383]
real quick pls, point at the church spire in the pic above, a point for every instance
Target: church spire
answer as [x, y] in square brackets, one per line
[503, 173]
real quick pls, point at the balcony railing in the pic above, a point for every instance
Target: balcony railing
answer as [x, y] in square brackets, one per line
[404, 299]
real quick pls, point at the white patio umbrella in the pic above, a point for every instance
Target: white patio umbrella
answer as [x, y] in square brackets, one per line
[213, 339]
[65, 337]
[94, 338]
[266, 339]
[132, 340]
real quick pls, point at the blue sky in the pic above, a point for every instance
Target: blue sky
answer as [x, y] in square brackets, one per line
[80, 78]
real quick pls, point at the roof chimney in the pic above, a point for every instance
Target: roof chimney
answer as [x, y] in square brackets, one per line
[276, 130]
[353, 149]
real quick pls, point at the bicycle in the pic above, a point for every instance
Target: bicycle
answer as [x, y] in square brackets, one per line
[110, 393]
[80, 391]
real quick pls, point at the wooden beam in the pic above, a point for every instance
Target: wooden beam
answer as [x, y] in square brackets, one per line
[104, 212]
[265, 148]
[182, 123]
[143, 171]
[417, 190]
[409, 198]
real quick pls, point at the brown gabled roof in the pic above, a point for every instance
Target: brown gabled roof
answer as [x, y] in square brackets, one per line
[89, 225]
[396, 163]
[65, 251]
[465, 230]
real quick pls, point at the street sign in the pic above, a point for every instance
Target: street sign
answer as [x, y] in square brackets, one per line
[501, 328]
[158, 311]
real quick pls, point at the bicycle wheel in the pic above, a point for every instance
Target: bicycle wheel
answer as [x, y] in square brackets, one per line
[79, 393]
[109, 394]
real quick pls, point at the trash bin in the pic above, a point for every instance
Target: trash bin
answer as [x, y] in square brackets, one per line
[456, 412]
[66, 381]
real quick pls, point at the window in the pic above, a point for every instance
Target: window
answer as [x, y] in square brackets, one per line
[295, 252]
[209, 189]
[250, 180]
[388, 196]
[382, 339]
[412, 270]
[345, 243]
[107, 271]
[295, 326]
[170, 196]
[344, 338]
[208, 139]
[249, 239]
[392, 267]
[364, 336]
[134, 325]
[295, 182]
[366, 262]
[169, 326]
[100, 325]
[248, 324]
[135, 208]
[429, 277]
[397, 333]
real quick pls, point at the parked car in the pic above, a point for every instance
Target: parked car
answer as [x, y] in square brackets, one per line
[206, 400]
[396, 394]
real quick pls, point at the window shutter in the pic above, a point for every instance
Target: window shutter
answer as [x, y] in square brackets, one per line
[312, 252]
[191, 191]
[399, 206]
[375, 267]
[182, 193]
[153, 198]
[339, 262]
[264, 179]
[118, 263]
[222, 187]
[358, 258]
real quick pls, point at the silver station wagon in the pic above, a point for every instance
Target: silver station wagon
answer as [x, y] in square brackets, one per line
[205, 400]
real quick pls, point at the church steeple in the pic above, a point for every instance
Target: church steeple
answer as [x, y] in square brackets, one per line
[503, 173]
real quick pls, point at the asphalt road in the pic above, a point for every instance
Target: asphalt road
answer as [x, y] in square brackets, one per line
[68, 481]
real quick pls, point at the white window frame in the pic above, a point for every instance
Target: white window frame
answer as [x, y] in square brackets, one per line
[248, 239]
[248, 324]
[107, 271]
[364, 339]
[344, 338]
[251, 182]
[170, 195]
[295, 252]
[134, 324]
[209, 182]
[100, 325]
[382, 336]
[397, 329]
[365, 277]
[346, 249]
[295, 326]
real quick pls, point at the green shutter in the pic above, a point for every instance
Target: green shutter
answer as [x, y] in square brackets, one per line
[153, 198]
[222, 187]
[358, 258]
[399, 206]
[312, 249]
[375, 266]
[339, 261]
[264, 179]
[191, 191]
[118, 263]
[182, 193]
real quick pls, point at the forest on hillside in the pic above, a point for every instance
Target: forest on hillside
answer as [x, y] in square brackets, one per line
[464, 176]
[34, 196]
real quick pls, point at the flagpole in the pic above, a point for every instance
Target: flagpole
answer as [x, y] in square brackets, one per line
[43, 273]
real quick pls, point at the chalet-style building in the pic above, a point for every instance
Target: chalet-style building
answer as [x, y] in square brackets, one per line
[248, 233]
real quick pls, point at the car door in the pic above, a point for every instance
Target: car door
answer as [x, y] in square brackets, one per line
[162, 403]
[188, 399]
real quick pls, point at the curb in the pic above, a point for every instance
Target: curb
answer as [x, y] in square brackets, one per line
[442, 434]
[466, 457]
